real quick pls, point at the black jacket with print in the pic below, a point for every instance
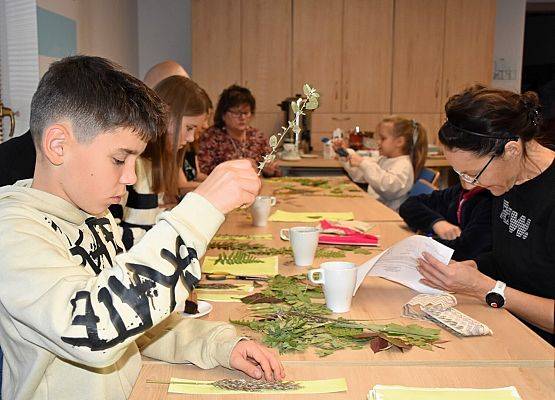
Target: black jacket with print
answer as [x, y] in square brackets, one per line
[523, 254]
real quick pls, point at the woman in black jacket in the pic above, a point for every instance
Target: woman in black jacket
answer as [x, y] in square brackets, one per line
[490, 141]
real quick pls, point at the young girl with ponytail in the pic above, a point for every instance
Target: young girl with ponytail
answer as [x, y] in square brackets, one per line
[403, 147]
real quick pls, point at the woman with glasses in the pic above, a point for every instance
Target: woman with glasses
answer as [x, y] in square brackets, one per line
[490, 141]
[232, 137]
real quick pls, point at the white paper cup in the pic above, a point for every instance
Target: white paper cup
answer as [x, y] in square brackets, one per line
[304, 242]
[261, 208]
[339, 280]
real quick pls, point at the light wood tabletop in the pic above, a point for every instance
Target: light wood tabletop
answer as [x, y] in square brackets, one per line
[531, 383]
[317, 199]
[316, 160]
[513, 355]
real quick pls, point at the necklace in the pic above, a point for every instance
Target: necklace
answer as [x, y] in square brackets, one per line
[239, 152]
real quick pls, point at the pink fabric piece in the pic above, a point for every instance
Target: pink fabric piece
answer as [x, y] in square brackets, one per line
[350, 237]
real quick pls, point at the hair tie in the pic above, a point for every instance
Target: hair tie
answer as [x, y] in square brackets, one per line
[414, 132]
[532, 111]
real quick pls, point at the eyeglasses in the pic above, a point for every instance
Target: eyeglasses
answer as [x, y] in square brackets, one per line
[474, 180]
[238, 114]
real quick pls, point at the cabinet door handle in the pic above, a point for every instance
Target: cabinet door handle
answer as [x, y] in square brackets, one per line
[437, 88]
[341, 118]
[336, 90]
[346, 90]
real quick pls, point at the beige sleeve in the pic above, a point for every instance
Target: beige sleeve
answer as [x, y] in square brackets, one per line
[387, 183]
[91, 319]
[355, 173]
[206, 344]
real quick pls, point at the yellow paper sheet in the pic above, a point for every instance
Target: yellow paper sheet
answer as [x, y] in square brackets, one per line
[221, 297]
[268, 266]
[383, 392]
[308, 387]
[286, 216]
[225, 295]
[263, 236]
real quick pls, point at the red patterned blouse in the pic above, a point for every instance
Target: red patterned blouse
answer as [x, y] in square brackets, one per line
[217, 146]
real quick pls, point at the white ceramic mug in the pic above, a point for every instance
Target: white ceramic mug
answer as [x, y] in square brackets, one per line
[261, 208]
[339, 280]
[304, 241]
[288, 147]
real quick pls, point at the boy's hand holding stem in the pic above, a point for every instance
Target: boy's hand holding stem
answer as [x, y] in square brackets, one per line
[231, 185]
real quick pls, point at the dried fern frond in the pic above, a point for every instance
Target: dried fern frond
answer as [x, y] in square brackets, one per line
[237, 257]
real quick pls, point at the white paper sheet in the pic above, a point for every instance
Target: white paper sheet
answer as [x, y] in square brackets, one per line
[398, 263]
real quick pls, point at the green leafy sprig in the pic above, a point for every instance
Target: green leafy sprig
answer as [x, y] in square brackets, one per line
[290, 321]
[309, 102]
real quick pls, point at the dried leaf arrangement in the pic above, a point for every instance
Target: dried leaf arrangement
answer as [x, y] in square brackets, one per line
[310, 102]
[241, 385]
[263, 250]
[322, 183]
[237, 257]
[291, 322]
[310, 187]
[216, 286]
[354, 249]
[264, 236]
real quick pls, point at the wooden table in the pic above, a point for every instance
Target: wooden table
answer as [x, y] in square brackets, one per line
[318, 166]
[531, 383]
[513, 355]
[363, 206]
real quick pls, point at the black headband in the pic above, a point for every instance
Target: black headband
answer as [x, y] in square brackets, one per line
[509, 138]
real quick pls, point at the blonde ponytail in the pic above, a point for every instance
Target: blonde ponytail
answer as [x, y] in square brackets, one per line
[416, 140]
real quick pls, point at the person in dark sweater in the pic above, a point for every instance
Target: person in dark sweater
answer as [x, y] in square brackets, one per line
[17, 159]
[458, 218]
[489, 140]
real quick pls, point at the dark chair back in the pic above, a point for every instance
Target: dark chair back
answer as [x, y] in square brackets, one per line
[429, 175]
[421, 187]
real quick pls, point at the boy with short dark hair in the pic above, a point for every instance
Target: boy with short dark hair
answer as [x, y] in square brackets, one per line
[72, 302]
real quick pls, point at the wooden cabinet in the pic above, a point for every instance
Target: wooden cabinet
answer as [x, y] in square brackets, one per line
[367, 58]
[469, 35]
[317, 27]
[216, 37]
[430, 122]
[266, 51]
[367, 52]
[418, 56]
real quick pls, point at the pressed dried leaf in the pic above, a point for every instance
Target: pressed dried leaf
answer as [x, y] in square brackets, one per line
[379, 344]
[258, 298]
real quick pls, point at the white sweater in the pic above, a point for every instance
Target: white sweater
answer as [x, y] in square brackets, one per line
[74, 305]
[389, 179]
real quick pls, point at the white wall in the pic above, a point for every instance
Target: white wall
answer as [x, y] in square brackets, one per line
[106, 28]
[509, 43]
[164, 33]
[18, 61]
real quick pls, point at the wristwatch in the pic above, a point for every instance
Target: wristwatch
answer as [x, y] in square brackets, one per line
[496, 297]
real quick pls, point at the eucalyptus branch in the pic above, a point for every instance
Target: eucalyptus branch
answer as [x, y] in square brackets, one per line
[310, 102]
